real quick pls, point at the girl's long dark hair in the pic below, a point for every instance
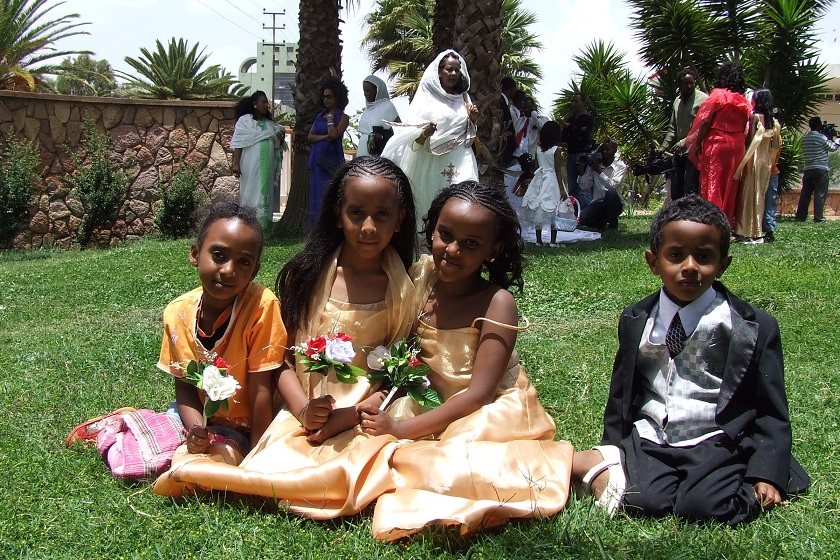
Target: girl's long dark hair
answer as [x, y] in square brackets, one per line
[506, 270]
[549, 135]
[296, 282]
[763, 105]
[246, 106]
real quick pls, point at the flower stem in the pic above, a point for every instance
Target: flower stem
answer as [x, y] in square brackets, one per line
[387, 400]
[323, 385]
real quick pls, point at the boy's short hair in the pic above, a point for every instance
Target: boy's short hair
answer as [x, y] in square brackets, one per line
[690, 208]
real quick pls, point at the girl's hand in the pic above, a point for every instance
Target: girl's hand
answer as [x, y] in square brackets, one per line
[198, 439]
[340, 419]
[377, 422]
[316, 413]
[428, 130]
[235, 170]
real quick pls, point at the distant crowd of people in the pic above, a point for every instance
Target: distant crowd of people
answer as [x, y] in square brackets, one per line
[724, 146]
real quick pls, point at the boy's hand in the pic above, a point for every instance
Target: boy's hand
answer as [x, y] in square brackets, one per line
[316, 412]
[198, 439]
[767, 495]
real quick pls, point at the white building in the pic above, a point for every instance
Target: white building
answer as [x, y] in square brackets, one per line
[256, 72]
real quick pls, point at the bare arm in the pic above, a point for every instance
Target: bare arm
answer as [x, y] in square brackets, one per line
[192, 416]
[494, 350]
[336, 130]
[311, 414]
[237, 158]
[260, 397]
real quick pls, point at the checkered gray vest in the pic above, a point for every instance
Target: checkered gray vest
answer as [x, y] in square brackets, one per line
[679, 396]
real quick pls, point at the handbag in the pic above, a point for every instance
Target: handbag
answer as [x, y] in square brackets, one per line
[327, 165]
[566, 217]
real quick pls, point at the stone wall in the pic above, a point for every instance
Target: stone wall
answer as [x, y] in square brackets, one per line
[148, 139]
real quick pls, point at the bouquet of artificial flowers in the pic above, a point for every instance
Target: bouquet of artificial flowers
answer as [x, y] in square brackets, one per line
[331, 351]
[212, 378]
[400, 368]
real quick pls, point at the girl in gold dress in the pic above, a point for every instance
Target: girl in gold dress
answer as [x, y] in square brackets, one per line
[487, 454]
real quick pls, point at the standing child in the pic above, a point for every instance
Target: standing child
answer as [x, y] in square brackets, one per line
[546, 190]
[696, 423]
[230, 317]
[480, 454]
[350, 277]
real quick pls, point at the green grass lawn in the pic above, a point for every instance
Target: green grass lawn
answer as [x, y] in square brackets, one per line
[80, 334]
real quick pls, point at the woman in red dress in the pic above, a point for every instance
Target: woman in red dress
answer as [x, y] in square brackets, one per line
[717, 138]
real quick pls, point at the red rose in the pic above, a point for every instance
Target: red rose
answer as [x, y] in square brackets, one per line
[413, 361]
[220, 362]
[316, 346]
[344, 337]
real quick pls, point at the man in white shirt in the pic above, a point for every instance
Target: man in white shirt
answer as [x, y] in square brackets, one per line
[603, 179]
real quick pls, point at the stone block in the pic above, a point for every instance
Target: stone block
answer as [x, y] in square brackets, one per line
[168, 118]
[62, 112]
[43, 203]
[144, 156]
[123, 137]
[57, 130]
[196, 159]
[156, 137]
[128, 114]
[225, 188]
[75, 206]
[139, 208]
[112, 116]
[204, 120]
[219, 160]
[19, 117]
[40, 223]
[226, 131]
[5, 114]
[58, 210]
[60, 228]
[143, 118]
[192, 125]
[74, 132]
[179, 153]
[31, 128]
[213, 126]
[39, 111]
[177, 138]
[8, 130]
[157, 114]
[92, 114]
[205, 143]
[164, 156]
[144, 186]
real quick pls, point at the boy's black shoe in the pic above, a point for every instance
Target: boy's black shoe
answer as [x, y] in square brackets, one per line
[768, 237]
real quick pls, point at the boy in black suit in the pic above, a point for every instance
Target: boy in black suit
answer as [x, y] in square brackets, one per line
[697, 420]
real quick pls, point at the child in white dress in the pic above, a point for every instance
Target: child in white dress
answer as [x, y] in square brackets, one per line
[539, 205]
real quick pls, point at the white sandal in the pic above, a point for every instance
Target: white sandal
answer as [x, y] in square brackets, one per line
[613, 495]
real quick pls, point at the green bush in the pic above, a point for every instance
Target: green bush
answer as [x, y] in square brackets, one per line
[791, 160]
[179, 202]
[17, 169]
[100, 188]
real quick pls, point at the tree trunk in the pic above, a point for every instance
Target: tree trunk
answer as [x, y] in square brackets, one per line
[478, 30]
[319, 57]
[443, 25]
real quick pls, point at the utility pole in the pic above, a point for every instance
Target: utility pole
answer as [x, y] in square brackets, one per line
[274, 28]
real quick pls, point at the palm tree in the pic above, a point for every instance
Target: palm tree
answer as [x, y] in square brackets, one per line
[176, 72]
[405, 35]
[27, 39]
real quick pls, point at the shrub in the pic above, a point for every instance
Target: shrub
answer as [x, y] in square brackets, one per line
[100, 188]
[17, 169]
[179, 202]
[791, 160]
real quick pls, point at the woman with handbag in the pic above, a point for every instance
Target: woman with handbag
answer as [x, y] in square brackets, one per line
[327, 152]
[374, 124]
[434, 147]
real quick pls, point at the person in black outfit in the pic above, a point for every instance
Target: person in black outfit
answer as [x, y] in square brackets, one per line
[508, 122]
[577, 133]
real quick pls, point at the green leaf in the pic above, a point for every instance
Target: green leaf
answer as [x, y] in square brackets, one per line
[211, 407]
[428, 398]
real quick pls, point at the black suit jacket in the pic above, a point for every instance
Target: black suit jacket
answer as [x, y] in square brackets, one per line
[752, 400]
[507, 132]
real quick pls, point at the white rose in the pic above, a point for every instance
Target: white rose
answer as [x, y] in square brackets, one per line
[340, 350]
[210, 377]
[218, 387]
[374, 359]
[426, 383]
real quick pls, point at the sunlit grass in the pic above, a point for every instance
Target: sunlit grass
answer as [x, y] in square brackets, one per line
[80, 334]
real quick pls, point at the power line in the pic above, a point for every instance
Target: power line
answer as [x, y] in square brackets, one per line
[228, 20]
[243, 11]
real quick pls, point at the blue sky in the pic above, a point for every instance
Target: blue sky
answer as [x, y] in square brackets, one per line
[230, 30]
